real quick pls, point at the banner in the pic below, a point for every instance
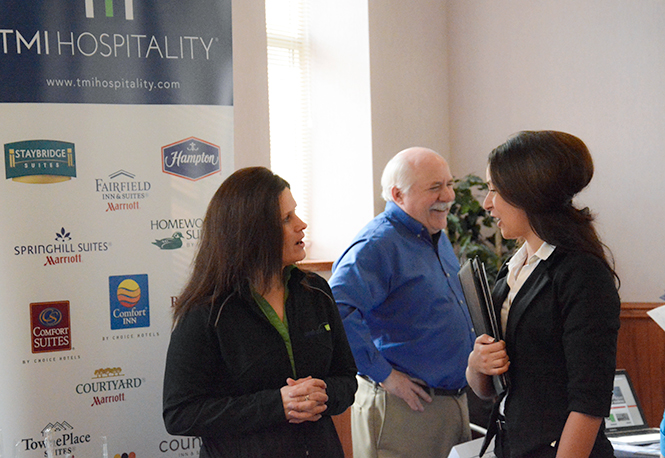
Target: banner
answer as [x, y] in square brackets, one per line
[117, 128]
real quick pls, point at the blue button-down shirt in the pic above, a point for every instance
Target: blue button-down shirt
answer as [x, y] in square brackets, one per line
[402, 303]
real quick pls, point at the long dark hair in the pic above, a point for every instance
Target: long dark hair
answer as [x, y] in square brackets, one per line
[540, 172]
[241, 239]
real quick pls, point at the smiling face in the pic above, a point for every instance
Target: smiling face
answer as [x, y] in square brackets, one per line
[512, 221]
[293, 227]
[428, 200]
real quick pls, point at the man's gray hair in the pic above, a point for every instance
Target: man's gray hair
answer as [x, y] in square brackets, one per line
[399, 174]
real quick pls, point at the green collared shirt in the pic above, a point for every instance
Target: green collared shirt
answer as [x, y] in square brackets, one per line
[281, 326]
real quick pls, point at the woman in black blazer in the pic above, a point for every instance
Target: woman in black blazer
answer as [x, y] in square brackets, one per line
[558, 303]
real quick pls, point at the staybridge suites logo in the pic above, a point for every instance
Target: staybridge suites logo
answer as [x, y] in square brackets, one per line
[40, 161]
[191, 158]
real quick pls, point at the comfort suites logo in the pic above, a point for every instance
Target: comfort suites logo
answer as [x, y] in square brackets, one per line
[63, 251]
[191, 158]
[40, 161]
[130, 304]
[50, 327]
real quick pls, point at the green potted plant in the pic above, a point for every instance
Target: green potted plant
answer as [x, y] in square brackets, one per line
[472, 231]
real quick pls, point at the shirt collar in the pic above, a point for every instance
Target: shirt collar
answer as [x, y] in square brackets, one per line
[519, 258]
[394, 211]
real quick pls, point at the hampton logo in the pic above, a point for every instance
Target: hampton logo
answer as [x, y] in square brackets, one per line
[62, 437]
[191, 158]
[183, 231]
[50, 327]
[122, 186]
[108, 386]
[63, 251]
[130, 304]
[40, 161]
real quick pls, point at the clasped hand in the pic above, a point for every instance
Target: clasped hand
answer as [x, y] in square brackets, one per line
[304, 399]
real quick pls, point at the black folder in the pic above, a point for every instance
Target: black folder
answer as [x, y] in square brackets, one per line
[478, 297]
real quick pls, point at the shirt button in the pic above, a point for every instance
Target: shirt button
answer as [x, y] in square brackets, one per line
[447, 274]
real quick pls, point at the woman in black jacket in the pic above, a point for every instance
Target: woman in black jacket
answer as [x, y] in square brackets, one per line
[258, 359]
[558, 304]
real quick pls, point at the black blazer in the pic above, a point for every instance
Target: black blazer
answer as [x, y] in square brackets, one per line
[561, 340]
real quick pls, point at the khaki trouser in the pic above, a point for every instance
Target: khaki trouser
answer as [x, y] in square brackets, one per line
[384, 426]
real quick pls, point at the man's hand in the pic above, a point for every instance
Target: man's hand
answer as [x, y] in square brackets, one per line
[399, 384]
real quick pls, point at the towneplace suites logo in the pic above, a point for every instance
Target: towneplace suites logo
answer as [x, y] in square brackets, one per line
[40, 161]
[61, 437]
[50, 328]
[63, 251]
[122, 191]
[130, 304]
[191, 158]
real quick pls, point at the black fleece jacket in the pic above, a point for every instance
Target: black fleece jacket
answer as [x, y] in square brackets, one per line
[226, 364]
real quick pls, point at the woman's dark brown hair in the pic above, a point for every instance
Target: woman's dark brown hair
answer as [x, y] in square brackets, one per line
[540, 172]
[241, 239]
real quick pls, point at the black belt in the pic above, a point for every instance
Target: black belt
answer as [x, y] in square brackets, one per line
[442, 391]
[431, 391]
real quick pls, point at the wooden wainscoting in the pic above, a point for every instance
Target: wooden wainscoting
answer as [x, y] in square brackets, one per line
[641, 351]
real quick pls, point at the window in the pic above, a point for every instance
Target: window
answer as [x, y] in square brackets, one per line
[289, 96]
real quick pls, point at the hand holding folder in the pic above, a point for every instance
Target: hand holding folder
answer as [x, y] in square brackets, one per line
[476, 290]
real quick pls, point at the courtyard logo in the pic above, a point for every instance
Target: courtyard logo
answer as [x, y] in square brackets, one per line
[107, 385]
[40, 161]
[191, 158]
[130, 305]
[49, 325]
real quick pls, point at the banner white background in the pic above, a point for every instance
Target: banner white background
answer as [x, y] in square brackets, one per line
[108, 387]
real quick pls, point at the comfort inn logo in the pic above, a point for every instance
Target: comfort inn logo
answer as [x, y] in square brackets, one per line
[40, 161]
[130, 303]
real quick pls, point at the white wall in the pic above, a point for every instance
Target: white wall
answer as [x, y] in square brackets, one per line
[250, 84]
[594, 68]
[408, 61]
[460, 76]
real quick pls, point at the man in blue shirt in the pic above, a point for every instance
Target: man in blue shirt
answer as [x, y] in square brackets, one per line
[405, 317]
